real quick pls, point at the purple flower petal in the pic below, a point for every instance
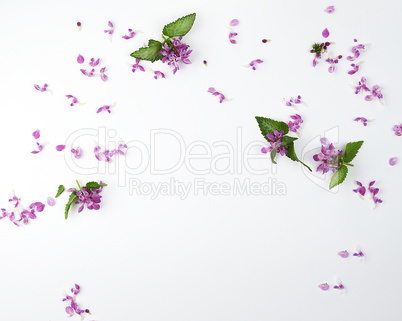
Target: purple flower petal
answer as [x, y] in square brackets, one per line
[325, 33]
[343, 254]
[51, 201]
[59, 148]
[330, 9]
[234, 22]
[393, 161]
[80, 59]
[324, 286]
[36, 134]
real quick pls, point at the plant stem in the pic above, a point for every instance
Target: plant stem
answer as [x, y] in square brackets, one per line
[78, 184]
[348, 164]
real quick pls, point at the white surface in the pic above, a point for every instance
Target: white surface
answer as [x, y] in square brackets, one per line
[205, 257]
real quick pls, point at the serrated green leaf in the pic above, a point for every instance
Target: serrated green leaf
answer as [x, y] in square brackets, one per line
[180, 27]
[267, 126]
[351, 150]
[59, 191]
[285, 140]
[273, 154]
[338, 177]
[73, 198]
[94, 185]
[150, 53]
[292, 155]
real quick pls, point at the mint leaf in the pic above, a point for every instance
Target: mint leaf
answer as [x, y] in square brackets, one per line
[267, 126]
[273, 154]
[59, 191]
[351, 151]
[286, 140]
[339, 176]
[180, 27]
[150, 53]
[94, 185]
[72, 199]
[292, 155]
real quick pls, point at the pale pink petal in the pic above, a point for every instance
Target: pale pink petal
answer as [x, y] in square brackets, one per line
[393, 161]
[234, 22]
[330, 9]
[51, 201]
[324, 286]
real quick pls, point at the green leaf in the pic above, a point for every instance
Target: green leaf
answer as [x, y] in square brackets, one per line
[286, 140]
[351, 151]
[150, 53]
[292, 155]
[338, 177]
[72, 199]
[267, 126]
[94, 185]
[180, 27]
[59, 191]
[273, 154]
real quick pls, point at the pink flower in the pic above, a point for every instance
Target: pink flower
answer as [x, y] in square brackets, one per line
[76, 152]
[361, 119]
[94, 62]
[393, 161]
[111, 30]
[41, 89]
[137, 66]
[376, 92]
[130, 35]
[40, 147]
[231, 36]
[354, 70]
[88, 74]
[330, 9]
[361, 190]
[103, 75]
[59, 148]
[74, 100]
[253, 63]
[36, 134]
[325, 33]
[398, 130]
[293, 101]
[216, 93]
[104, 108]
[159, 74]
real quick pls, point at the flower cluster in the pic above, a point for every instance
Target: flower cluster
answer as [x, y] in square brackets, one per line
[174, 52]
[25, 214]
[275, 141]
[398, 130]
[73, 307]
[328, 157]
[89, 197]
[333, 62]
[293, 101]
[93, 63]
[318, 49]
[294, 124]
[375, 92]
[107, 155]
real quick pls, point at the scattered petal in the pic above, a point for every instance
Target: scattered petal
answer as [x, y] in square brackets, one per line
[393, 161]
[51, 201]
[59, 148]
[325, 33]
[361, 119]
[36, 134]
[41, 89]
[130, 35]
[40, 148]
[330, 9]
[343, 254]
[324, 286]
[80, 59]
[76, 152]
[103, 75]
[104, 108]
[234, 22]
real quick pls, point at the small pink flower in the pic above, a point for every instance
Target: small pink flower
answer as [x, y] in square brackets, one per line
[325, 33]
[104, 108]
[231, 36]
[354, 70]
[110, 31]
[41, 89]
[324, 286]
[59, 148]
[234, 22]
[330, 9]
[76, 152]
[94, 62]
[88, 74]
[254, 63]
[130, 35]
[80, 59]
[103, 75]
[137, 66]
[159, 74]
[343, 254]
[361, 119]
[361, 190]
[393, 161]
[36, 134]
[74, 100]
[40, 147]
[216, 93]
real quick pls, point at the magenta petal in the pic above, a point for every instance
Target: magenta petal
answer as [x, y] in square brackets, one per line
[343, 254]
[36, 134]
[234, 22]
[80, 59]
[324, 286]
[59, 148]
[70, 311]
[393, 161]
[325, 33]
[51, 201]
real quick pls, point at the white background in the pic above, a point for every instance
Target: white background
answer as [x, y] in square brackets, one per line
[206, 257]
